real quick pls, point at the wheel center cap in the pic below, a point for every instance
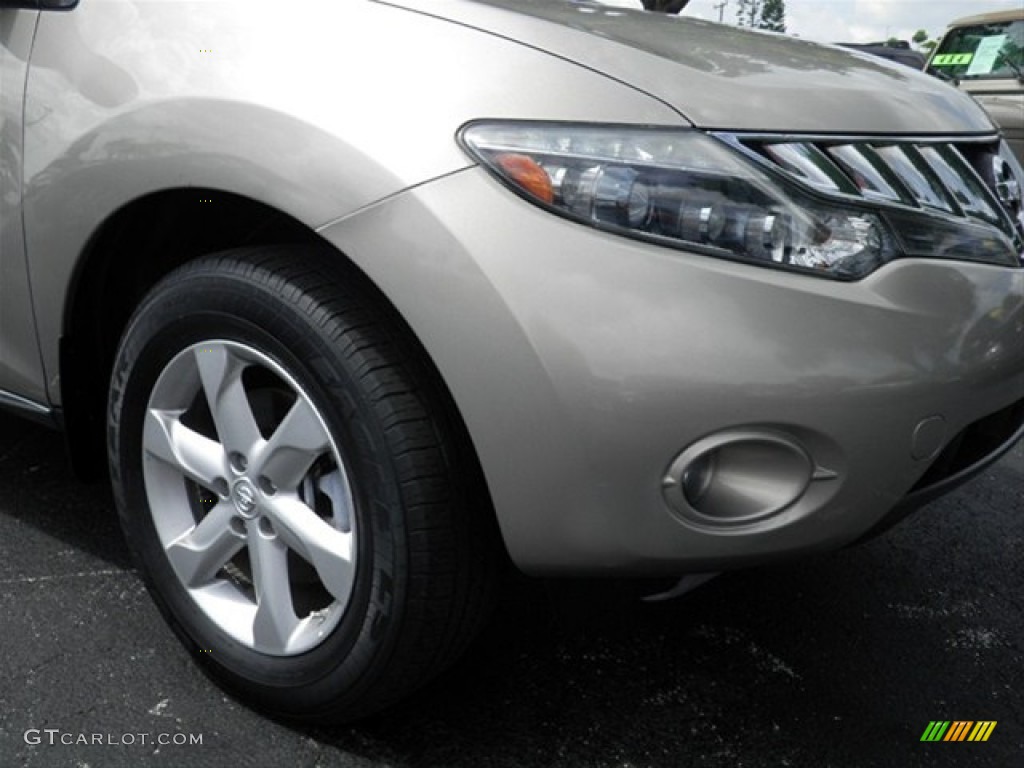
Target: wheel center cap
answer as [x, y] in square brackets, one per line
[243, 494]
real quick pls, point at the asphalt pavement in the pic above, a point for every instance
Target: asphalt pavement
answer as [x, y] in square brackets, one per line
[837, 661]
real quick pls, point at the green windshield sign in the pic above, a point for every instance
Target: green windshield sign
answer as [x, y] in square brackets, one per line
[952, 59]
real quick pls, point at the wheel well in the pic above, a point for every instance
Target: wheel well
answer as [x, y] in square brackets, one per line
[130, 253]
[134, 249]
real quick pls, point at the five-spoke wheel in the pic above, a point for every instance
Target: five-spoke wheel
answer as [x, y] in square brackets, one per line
[261, 530]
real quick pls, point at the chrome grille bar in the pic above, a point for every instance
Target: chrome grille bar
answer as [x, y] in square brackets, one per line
[943, 176]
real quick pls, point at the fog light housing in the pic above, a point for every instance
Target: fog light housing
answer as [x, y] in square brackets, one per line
[738, 477]
[697, 478]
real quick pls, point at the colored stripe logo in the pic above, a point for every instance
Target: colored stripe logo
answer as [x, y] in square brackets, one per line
[952, 59]
[958, 730]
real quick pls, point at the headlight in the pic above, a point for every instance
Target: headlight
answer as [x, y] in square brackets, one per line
[686, 189]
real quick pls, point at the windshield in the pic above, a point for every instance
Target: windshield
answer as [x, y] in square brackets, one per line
[981, 51]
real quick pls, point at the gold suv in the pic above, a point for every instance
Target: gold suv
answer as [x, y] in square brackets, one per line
[984, 55]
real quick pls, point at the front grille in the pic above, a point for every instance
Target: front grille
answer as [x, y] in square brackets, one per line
[966, 180]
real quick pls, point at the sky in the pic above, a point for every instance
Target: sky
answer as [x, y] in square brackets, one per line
[857, 21]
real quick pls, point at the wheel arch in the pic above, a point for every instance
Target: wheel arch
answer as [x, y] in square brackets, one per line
[109, 280]
[171, 228]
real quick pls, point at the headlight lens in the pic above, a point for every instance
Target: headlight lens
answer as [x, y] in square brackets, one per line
[686, 189]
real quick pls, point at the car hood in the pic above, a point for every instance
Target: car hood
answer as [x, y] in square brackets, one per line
[727, 78]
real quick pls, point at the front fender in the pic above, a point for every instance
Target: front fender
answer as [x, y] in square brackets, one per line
[316, 110]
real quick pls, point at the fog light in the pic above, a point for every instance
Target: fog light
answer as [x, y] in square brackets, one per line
[738, 477]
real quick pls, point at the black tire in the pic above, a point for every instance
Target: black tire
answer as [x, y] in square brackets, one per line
[423, 551]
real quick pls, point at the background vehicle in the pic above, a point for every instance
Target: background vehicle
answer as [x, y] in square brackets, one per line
[984, 55]
[356, 301]
[902, 54]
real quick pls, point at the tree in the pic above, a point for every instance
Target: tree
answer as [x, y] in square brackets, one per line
[748, 12]
[762, 14]
[773, 15]
[665, 6]
[920, 39]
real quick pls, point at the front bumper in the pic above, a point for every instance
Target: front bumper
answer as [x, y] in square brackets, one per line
[585, 363]
[964, 457]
